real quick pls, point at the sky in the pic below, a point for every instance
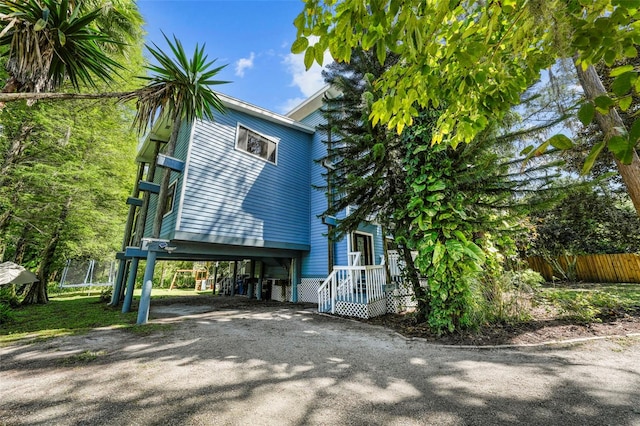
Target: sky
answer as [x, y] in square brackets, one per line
[253, 37]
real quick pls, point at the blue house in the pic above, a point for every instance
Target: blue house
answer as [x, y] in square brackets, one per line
[242, 190]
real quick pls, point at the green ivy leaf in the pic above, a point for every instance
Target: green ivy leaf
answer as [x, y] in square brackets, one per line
[620, 70]
[299, 45]
[625, 103]
[634, 132]
[622, 83]
[591, 158]
[610, 57]
[437, 186]
[526, 150]
[630, 52]
[438, 253]
[603, 103]
[621, 148]
[561, 141]
[309, 56]
[586, 113]
[381, 52]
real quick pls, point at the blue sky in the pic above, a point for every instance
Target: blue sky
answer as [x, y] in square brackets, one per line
[252, 37]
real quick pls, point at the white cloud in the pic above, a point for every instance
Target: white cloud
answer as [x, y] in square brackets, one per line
[244, 64]
[309, 82]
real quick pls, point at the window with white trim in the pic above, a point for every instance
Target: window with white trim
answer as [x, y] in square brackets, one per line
[256, 144]
[171, 196]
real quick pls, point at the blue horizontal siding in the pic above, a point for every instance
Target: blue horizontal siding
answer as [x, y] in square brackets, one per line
[230, 193]
[315, 263]
[169, 221]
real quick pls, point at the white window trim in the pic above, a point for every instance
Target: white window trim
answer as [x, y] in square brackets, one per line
[173, 203]
[262, 135]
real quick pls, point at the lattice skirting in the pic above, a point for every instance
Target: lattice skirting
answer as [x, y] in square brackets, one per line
[400, 300]
[362, 310]
[277, 293]
[308, 289]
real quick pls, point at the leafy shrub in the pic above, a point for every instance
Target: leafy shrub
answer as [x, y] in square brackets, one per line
[105, 295]
[526, 280]
[504, 296]
[8, 295]
[6, 313]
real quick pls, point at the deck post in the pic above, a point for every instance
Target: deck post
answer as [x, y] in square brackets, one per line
[117, 287]
[131, 283]
[147, 283]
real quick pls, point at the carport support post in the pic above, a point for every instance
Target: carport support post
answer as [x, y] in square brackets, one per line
[259, 290]
[131, 283]
[252, 273]
[115, 296]
[215, 279]
[295, 278]
[234, 278]
[147, 283]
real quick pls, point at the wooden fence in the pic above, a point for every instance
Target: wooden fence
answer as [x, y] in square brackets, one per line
[612, 268]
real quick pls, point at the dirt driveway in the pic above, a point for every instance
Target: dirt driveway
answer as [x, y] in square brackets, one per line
[282, 364]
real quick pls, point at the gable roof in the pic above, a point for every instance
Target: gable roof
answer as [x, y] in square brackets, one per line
[312, 103]
[161, 130]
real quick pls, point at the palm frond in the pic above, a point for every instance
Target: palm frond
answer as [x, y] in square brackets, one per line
[178, 86]
[51, 41]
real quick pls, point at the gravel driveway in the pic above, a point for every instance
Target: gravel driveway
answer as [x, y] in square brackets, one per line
[275, 364]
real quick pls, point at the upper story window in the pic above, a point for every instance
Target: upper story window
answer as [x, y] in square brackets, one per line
[256, 144]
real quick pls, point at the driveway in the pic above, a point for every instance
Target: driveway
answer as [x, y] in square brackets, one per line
[283, 364]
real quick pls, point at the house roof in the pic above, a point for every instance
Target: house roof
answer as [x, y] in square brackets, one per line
[161, 130]
[247, 108]
[312, 103]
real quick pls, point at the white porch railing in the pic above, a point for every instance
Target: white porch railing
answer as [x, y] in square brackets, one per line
[355, 284]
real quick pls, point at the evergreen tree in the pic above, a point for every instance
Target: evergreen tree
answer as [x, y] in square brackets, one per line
[442, 203]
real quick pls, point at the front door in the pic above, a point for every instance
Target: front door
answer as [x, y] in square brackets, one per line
[364, 244]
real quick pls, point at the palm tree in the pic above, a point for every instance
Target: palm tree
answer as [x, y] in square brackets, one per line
[178, 89]
[47, 42]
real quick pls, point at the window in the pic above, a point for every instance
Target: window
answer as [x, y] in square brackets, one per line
[171, 196]
[256, 144]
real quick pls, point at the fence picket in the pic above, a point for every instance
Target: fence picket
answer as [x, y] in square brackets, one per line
[614, 268]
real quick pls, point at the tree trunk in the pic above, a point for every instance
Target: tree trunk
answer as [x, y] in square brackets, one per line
[166, 177]
[411, 274]
[44, 96]
[38, 291]
[21, 246]
[612, 125]
[12, 156]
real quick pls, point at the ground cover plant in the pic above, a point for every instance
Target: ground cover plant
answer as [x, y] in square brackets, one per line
[551, 312]
[69, 313]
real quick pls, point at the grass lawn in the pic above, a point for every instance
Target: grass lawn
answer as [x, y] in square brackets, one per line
[78, 312]
[73, 313]
[588, 302]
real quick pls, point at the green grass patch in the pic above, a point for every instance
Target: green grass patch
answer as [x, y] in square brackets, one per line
[82, 358]
[76, 313]
[592, 302]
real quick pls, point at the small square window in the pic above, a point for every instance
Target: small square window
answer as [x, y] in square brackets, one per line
[171, 196]
[256, 144]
